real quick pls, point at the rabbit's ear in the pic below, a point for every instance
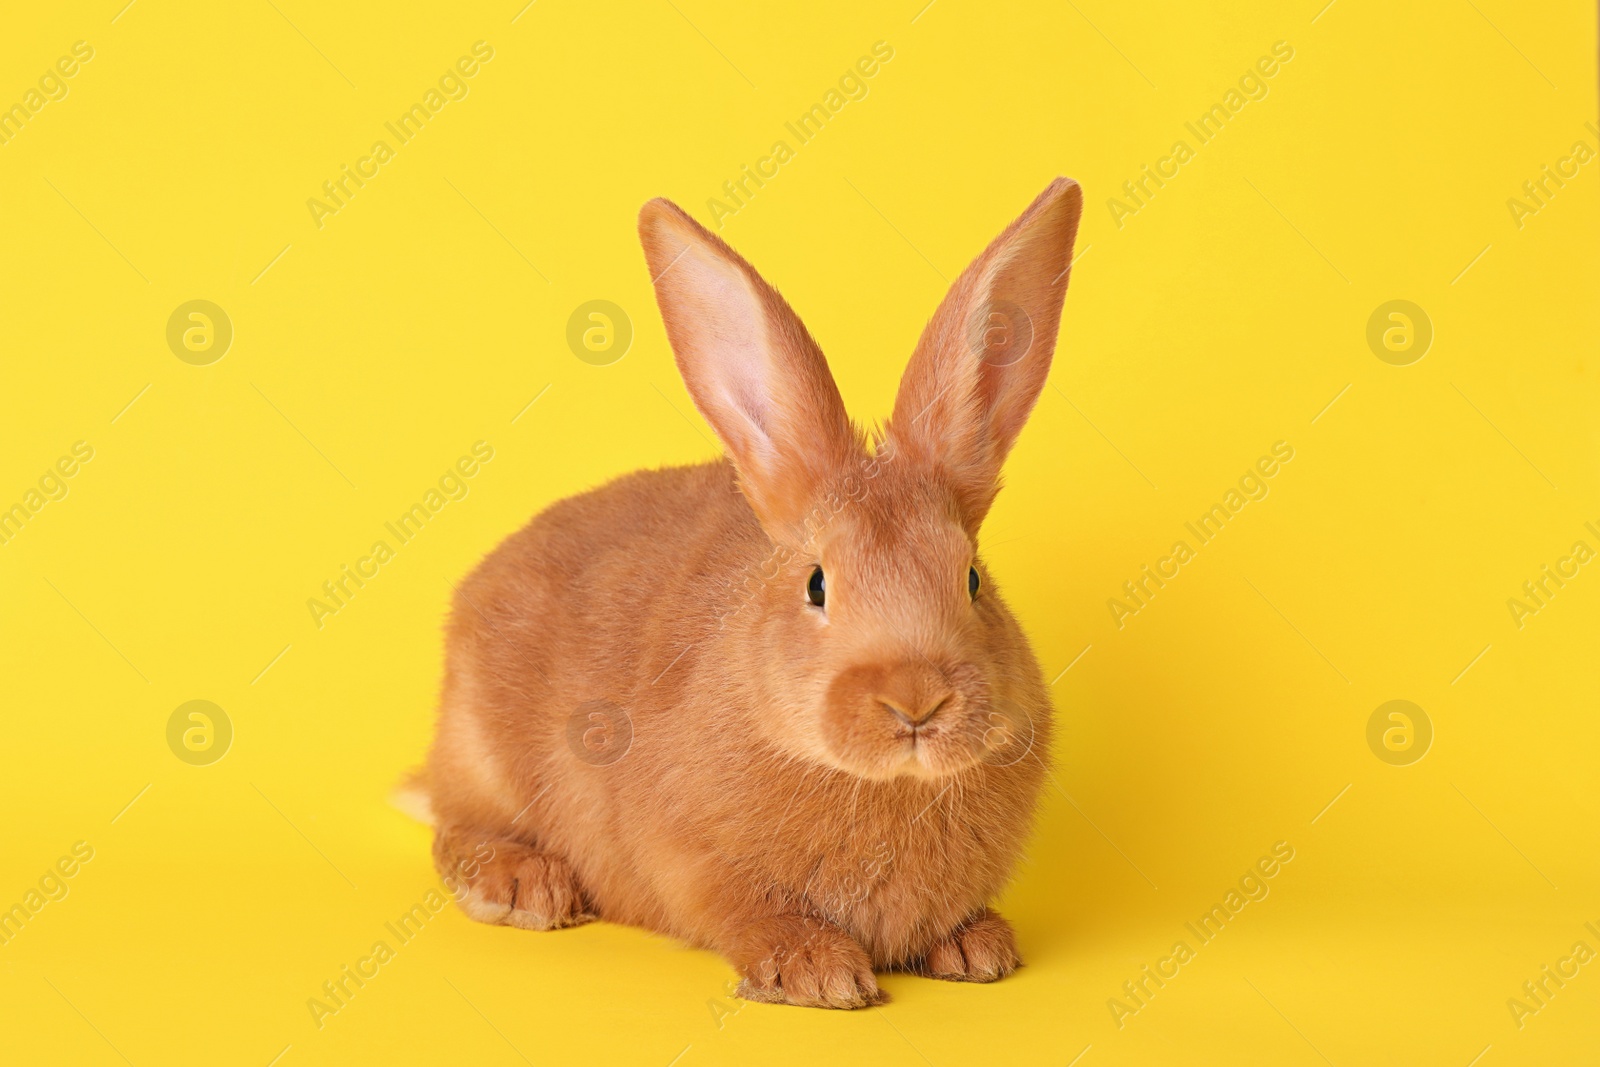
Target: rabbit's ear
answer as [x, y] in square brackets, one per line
[984, 355]
[752, 369]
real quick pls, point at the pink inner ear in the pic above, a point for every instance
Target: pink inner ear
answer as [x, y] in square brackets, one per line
[1021, 280]
[754, 372]
[964, 411]
[733, 371]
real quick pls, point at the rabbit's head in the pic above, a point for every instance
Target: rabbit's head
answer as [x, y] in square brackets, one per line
[870, 638]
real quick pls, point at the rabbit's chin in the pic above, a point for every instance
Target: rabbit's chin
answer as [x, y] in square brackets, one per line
[928, 757]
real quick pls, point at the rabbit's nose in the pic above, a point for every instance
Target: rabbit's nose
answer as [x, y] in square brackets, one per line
[924, 710]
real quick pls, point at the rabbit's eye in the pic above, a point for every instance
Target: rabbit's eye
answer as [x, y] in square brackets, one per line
[972, 582]
[815, 589]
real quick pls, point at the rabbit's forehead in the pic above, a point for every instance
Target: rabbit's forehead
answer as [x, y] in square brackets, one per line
[884, 549]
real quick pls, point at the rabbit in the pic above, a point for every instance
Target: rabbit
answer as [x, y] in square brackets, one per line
[771, 705]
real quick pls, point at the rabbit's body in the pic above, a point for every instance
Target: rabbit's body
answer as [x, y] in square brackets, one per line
[770, 705]
[673, 836]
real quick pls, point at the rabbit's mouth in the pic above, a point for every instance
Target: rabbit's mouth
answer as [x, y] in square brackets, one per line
[921, 745]
[931, 753]
[987, 737]
[928, 752]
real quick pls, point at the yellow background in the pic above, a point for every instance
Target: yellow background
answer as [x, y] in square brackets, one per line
[1224, 316]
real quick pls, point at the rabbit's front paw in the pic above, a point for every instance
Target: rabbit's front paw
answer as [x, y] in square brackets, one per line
[982, 949]
[793, 959]
[523, 887]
